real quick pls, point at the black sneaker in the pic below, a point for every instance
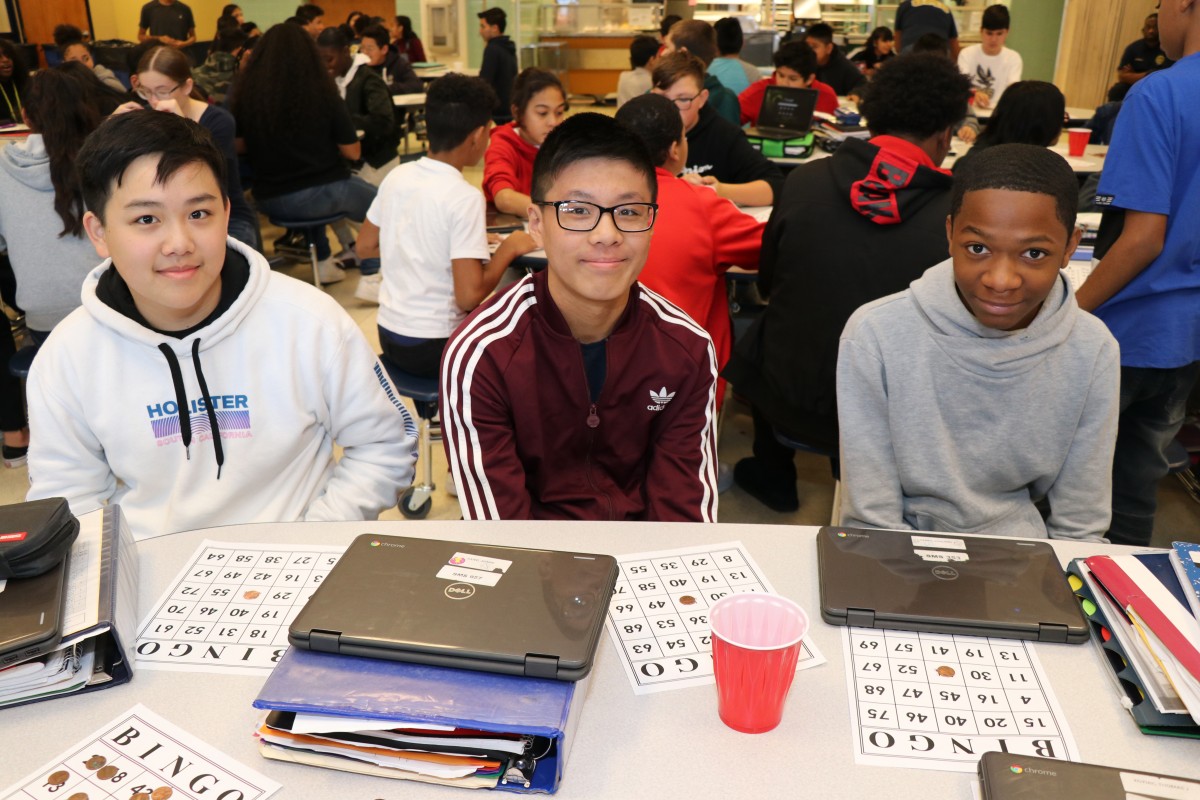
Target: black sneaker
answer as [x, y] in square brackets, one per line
[292, 240]
[15, 456]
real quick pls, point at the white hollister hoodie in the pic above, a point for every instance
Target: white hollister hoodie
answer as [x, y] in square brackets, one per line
[122, 414]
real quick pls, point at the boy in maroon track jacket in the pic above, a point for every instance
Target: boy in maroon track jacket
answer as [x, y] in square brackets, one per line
[577, 393]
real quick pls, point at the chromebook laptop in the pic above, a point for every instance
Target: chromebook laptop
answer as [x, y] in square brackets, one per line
[905, 580]
[786, 113]
[511, 610]
[31, 614]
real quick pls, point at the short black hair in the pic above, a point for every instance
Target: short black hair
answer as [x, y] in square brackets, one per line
[494, 16]
[656, 121]
[1020, 168]
[797, 56]
[667, 21]
[118, 142]
[66, 35]
[229, 39]
[333, 38]
[587, 136]
[915, 94]
[821, 31]
[932, 43]
[996, 18]
[307, 12]
[642, 49]
[729, 36]
[379, 34]
[455, 105]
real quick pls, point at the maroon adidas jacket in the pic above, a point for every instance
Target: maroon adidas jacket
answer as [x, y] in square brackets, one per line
[524, 440]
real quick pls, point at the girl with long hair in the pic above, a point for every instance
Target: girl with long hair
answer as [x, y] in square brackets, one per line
[1029, 112]
[539, 105]
[406, 41]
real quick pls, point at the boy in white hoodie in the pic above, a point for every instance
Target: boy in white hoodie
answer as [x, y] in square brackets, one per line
[983, 390]
[194, 386]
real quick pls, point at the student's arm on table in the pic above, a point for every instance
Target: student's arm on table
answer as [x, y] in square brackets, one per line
[1081, 497]
[871, 493]
[474, 279]
[510, 201]
[754, 193]
[376, 433]
[681, 477]
[1140, 242]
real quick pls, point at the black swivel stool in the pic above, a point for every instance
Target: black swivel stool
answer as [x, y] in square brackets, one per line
[310, 227]
[416, 500]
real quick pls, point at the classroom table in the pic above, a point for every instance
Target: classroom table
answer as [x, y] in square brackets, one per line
[414, 100]
[1090, 162]
[667, 745]
[1077, 114]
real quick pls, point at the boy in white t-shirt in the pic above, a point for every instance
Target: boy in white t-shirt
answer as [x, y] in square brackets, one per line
[991, 66]
[429, 224]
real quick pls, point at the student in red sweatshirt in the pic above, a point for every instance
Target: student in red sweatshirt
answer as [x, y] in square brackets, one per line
[796, 66]
[699, 235]
[538, 107]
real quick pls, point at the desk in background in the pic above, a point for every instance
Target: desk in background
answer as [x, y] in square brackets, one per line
[663, 745]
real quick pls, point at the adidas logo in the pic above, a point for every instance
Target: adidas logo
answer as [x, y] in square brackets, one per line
[660, 398]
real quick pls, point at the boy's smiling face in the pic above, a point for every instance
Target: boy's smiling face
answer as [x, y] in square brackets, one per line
[1007, 247]
[167, 241]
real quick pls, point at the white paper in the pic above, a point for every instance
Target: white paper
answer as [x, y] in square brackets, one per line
[658, 615]
[229, 608]
[939, 701]
[324, 723]
[137, 752]
[81, 609]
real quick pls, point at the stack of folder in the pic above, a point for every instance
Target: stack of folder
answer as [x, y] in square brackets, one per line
[1143, 610]
[432, 724]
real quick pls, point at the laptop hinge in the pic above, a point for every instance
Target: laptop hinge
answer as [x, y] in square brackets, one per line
[860, 618]
[541, 666]
[1052, 632]
[324, 641]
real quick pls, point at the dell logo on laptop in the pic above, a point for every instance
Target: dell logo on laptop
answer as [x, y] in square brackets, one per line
[460, 591]
[945, 573]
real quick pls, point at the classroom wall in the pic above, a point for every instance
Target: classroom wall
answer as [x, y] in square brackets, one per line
[1095, 33]
[118, 19]
[1036, 27]
[5, 25]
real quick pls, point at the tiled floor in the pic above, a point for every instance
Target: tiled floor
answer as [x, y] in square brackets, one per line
[1178, 517]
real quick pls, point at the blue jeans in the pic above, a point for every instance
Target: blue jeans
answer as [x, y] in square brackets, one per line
[1153, 402]
[351, 197]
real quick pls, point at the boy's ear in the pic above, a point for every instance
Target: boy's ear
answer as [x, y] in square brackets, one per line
[1072, 243]
[95, 232]
[949, 230]
[535, 224]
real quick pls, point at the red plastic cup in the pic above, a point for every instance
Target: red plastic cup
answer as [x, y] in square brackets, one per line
[1077, 140]
[755, 646]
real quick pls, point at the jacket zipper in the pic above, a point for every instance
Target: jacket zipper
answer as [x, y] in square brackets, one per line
[593, 422]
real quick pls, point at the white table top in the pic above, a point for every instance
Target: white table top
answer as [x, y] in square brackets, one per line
[1076, 113]
[406, 100]
[665, 745]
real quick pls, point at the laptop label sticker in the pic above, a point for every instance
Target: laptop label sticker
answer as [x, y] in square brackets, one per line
[941, 555]
[937, 541]
[481, 563]
[475, 576]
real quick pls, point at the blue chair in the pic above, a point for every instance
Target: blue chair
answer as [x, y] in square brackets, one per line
[416, 500]
[835, 516]
[21, 361]
[310, 227]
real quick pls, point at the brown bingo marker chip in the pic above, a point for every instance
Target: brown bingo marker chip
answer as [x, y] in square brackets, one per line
[946, 672]
[161, 793]
[58, 778]
[141, 796]
[251, 595]
[106, 772]
[687, 600]
[78, 796]
[95, 762]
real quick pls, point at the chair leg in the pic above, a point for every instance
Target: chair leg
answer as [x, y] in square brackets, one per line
[835, 517]
[312, 255]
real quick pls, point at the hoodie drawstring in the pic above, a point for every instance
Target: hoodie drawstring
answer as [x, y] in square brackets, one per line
[185, 417]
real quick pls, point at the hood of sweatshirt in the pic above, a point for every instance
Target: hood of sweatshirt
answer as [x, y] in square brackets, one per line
[358, 61]
[507, 133]
[504, 43]
[887, 179]
[27, 162]
[986, 351]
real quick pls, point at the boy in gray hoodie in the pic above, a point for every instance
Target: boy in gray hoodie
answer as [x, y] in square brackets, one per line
[983, 389]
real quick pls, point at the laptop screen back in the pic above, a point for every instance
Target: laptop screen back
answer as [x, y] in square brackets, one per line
[788, 108]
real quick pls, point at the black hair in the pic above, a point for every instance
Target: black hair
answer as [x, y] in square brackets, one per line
[295, 21]
[1020, 168]
[229, 8]
[125, 138]
[105, 98]
[881, 34]
[917, 95]
[307, 12]
[932, 43]
[66, 35]
[528, 83]
[249, 28]
[642, 49]
[406, 23]
[333, 38]
[729, 36]
[60, 109]
[656, 121]
[797, 56]
[494, 16]
[352, 16]
[379, 34]
[587, 136]
[20, 73]
[229, 39]
[821, 31]
[1029, 112]
[456, 105]
[996, 18]
[362, 23]
[1117, 92]
[665, 26]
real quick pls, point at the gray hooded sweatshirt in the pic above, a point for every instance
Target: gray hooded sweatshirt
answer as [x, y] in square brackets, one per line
[50, 268]
[947, 425]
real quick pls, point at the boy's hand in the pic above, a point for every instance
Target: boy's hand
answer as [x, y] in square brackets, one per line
[982, 99]
[171, 106]
[132, 105]
[518, 243]
[702, 180]
[966, 134]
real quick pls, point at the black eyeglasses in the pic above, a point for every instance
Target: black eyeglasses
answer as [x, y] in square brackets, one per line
[581, 216]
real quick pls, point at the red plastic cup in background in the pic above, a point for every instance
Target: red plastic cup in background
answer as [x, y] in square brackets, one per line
[1077, 140]
[755, 646]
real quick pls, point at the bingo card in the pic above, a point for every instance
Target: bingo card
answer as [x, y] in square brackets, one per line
[940, 701]
[141, 756]
[658, 616]
[229, 608]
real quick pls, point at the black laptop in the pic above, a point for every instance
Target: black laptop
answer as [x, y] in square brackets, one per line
[512, 610]
[31, 614]
[786, 113]
[941, 583]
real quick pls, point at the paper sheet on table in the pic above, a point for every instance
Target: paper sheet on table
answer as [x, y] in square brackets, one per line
[445, 767]
[363, 768]
[324, 723]
[1182, 681]
[81, 609]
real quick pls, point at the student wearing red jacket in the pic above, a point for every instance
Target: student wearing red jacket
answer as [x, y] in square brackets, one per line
[538, 107]
[698, 235]
[795, 66]
[578, 393]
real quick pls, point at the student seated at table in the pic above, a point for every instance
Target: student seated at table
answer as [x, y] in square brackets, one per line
[880, 47]
[539, 104]
[795, 66]
[577, 393]
[636, 81]
[1030, 112]
[983, 390]
[932, 43]
[847, 230]
[406, 41]
[833, 68]
[718, 153]
[990, 65]
[729, 68]
[427, 227]
[220, 67]
[387, 62]
[14, 83]
[698, 38]
[699, 237]
[194, 386]
[72, 47]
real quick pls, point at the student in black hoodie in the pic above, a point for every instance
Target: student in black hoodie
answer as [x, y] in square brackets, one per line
[846, 230]
[388, 62]
[499, 67]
